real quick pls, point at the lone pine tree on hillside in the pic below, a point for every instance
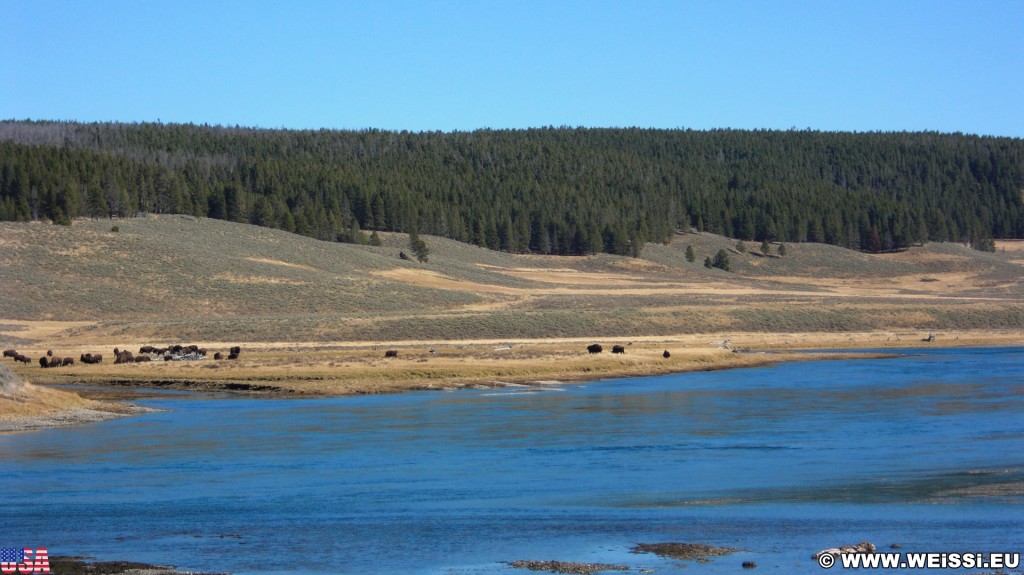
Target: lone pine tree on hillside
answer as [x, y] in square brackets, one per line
[721, 261]
[418, 246]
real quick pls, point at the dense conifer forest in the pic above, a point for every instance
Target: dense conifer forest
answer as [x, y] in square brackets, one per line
[545, 190]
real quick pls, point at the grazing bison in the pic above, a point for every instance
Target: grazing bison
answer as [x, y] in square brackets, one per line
[232, 355]
[236, 350]
[43, 362]
[391, 353]
[125, 357]
[55, 362]
[10, 353]
[618, 349]
[97, 358]
[595, 348]
[666, 354]
[67, 361]
[218, 355]
[142, 358]
[147, 349]
[22, 359]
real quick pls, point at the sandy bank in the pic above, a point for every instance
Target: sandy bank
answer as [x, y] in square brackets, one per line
[69, 417]
[24, 406]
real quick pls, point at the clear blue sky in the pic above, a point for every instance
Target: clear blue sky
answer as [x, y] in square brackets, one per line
[950, 66]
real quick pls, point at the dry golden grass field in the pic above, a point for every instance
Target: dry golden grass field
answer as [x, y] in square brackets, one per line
[314, 318]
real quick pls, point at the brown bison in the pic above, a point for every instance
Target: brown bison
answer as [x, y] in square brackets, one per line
[10, 353]
[666, 354]
[125, 357]
[55, 361]
[595, 348]
[237, 350]
[142, 358]
[67, 361]
[147, 349]
[391, 353]
[618, 349]
[49, 353]
[218, 355]
[22, 359]
[43, 362]
[232, 355]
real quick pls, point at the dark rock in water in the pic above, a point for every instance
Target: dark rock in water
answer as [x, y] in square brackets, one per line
[79, 566]
[567, 567]
[749, 564]
[862, 547]
[690, 551]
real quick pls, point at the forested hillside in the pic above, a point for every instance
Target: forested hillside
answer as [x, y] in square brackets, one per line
[546, 190]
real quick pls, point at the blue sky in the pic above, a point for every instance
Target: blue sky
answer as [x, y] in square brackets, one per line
[864, 65]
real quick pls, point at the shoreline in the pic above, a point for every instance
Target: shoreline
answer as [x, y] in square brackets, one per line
[338, 369]
[71, 417]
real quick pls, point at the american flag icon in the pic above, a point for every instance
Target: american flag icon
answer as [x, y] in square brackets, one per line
[12, 554]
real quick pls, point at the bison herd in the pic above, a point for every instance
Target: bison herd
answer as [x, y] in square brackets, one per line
[188, 352]
[146, 353]
[596, 348]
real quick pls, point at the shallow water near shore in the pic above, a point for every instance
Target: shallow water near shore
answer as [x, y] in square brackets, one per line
[925, 451]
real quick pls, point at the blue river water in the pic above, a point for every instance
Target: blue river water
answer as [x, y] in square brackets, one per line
[925, 451]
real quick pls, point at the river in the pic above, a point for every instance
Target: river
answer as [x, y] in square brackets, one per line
[925, 451]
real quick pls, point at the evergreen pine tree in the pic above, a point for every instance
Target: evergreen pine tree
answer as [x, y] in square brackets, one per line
[721, 261]
[418, 246]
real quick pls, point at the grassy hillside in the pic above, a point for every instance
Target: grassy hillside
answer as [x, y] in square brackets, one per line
[180, 278]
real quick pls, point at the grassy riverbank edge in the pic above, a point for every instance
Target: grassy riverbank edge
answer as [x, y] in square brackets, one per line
[322, 369]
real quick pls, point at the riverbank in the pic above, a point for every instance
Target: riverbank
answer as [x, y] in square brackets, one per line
[327, 369]
[24, 406]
